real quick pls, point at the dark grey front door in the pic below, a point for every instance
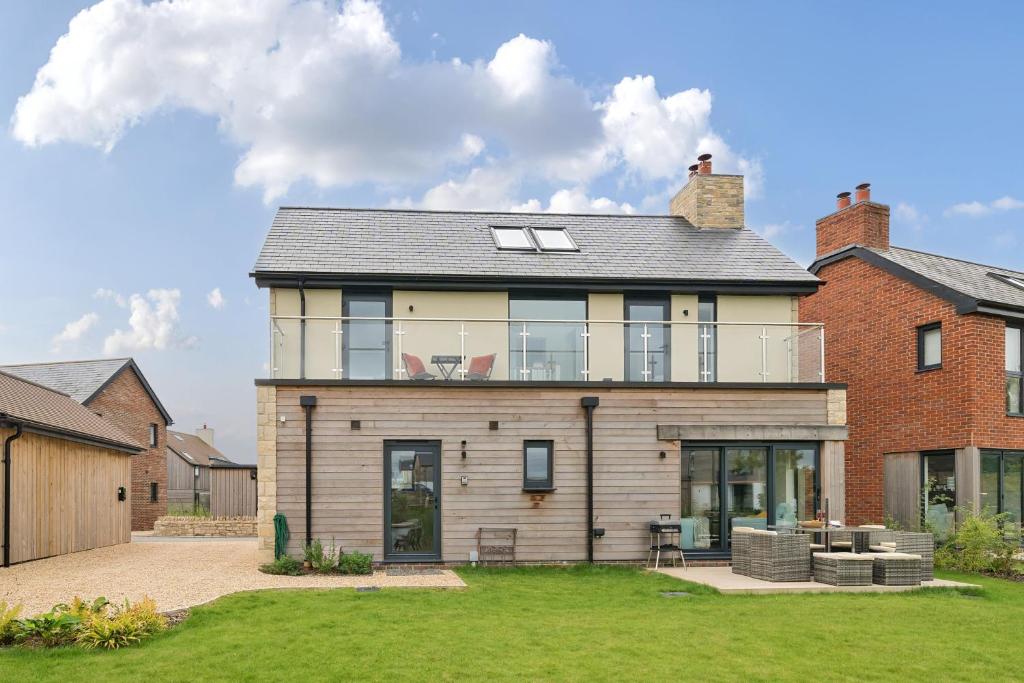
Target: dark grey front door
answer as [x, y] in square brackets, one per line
[412, 500]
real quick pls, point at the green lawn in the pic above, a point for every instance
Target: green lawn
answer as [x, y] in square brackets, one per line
[577, 623]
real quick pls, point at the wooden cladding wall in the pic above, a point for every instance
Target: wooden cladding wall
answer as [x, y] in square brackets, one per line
[232, 493]
[64, 497]
[632, 482]
[182, 482]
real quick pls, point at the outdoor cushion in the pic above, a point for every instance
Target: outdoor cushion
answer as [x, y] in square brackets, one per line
[480, 366]
[414, 366]
[894, 556]
[883, 549]
[860, 557]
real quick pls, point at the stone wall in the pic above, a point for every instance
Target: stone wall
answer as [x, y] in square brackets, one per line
[266, 460]
[711, 201]
[200, 526]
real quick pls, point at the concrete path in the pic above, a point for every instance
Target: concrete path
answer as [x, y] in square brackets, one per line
[175, 574]
[722, 579]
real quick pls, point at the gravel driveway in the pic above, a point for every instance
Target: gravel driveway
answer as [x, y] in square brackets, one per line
[176, 574]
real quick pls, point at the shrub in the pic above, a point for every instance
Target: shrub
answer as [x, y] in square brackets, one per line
[356, 563]
[282, 566]
[313, 551]
[9, 624]
[983, 542]
[127, 625]
[49, 630]
[323, 562]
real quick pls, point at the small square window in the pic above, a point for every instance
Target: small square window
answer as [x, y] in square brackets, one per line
[538, 465]
[554, 240]
[929, 346]
[154, 492]
[512, 238]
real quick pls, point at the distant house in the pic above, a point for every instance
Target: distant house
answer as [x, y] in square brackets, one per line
[931, 348]
[66, 476]
[116, 389]
[200, 477]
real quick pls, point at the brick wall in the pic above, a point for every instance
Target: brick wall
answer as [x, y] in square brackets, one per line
[126, 403]
[863, 223]
[870, 321]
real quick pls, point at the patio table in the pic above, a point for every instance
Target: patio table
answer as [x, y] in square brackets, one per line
[827, 532]
[446, 364]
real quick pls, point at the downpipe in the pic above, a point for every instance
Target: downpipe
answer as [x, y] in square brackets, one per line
[308, 403]
[590, 403]
[7, 493]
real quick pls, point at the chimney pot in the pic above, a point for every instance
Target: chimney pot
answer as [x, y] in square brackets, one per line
[692, 170]
[704, 164]
[864, 192]
[842, 200]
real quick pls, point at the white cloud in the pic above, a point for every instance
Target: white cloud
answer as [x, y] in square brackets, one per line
[909, 215]
[976, 208]
[74, 331]
[772, 230]
[576, 200]
[216, 299]
[109, 294]
[317, 95]
[153, 324]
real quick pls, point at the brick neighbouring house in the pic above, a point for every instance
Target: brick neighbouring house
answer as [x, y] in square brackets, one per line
[116, 389]
[930, 347]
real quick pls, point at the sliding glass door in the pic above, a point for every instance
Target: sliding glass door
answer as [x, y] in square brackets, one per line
[751, 485]
[1002, 484]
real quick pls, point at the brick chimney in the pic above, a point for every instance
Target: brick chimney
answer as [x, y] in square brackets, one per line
[206, 434]
[708, 200]
[863, 222]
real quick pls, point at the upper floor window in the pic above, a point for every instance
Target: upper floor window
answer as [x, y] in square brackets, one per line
[1014, 398]
[152, 435]
[647, 344]
[366, 335]
[929, 346]
[549, 350]
[707, 338]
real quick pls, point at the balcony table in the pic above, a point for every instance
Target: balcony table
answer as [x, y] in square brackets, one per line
[827, 532]
[446, 365]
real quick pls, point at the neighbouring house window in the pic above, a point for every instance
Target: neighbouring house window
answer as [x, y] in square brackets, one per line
[1014, 397]
[647, 344]
[1002, 484]
[929, 346]
[154, 492]
[152, 435]
[538, 465]
[366, 336]
[938, 484]
[707, 338]
[549, 351]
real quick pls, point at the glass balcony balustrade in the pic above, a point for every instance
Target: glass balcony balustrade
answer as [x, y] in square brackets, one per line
[538, 350]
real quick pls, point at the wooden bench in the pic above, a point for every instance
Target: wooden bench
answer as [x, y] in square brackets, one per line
[496, 544]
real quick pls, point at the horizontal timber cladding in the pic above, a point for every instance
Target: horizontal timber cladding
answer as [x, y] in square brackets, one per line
[64, 496]
[632, 482]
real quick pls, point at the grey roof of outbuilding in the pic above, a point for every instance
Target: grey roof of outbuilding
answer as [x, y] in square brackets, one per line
[82, 380]
[970, 285]
[43, 409]
[456, 244]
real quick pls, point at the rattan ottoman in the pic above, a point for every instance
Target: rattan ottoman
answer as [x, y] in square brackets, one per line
[741, 550]
[896, 569]
[843, 569]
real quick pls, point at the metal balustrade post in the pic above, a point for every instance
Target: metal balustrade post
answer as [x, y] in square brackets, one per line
[337, 349]
[462, 350]
[586, 351]
[764, 354]
[524, 371]
[704, 372]
[399, 333]
[646, 372]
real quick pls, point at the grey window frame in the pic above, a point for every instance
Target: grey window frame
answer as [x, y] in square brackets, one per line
[535, 234]
[548, 483]
[922, 332]
[665, 302]
[154, 434]
[710, 327]
[154, 492]
[1019, 374]
[373, 296]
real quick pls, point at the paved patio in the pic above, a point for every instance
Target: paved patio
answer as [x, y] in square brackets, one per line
[175, 573]
[723, 580]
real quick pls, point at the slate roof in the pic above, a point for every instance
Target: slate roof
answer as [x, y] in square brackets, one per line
[193, 449]
[43, 408]
[969, 285]
[82, 380]
[452, 245]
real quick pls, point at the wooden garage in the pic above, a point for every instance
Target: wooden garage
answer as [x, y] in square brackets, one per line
[66, 475]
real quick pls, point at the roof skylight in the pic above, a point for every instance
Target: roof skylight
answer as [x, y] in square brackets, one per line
[556, 239]
[1016, 282]
[512, 238]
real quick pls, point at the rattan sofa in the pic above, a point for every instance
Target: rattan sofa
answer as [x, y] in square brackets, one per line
[779, 557]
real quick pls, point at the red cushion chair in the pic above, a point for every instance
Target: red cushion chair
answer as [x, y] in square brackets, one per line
[415, 368]
[480, 367]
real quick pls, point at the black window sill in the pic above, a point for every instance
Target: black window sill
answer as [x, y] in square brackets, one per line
[1014, 414]
[538, 490]
[929, 368]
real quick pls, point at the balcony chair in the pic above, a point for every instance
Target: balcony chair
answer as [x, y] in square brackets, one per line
[415, 368]
[480, 367]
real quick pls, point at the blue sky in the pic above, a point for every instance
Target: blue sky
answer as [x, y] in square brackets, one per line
[151, 157]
